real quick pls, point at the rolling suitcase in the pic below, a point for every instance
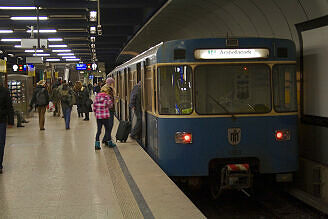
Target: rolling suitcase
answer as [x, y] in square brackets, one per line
[123, 131]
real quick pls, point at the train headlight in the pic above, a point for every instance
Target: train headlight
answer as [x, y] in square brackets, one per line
[183, 138]
[282, 135]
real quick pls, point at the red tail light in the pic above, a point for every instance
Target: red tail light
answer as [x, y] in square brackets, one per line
[183, 138]
[282, 135]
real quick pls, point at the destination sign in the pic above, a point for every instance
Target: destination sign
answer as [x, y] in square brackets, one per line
[231, 53]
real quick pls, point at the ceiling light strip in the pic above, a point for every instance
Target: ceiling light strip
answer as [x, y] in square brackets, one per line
[18, 8]
[57, 46]
[61, 50]
[6, 31]
[28, 18]
[11, 40]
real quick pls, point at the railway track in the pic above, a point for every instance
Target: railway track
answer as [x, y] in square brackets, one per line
[271, 202]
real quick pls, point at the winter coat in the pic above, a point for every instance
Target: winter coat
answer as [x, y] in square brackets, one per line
[66, 98]
[135, 98]
[85, 107]
[6, 107]
[39, 88]
[101, 106]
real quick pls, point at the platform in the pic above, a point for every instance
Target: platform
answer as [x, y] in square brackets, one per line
[56, 173]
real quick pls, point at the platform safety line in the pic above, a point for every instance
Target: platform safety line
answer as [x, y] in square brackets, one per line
[131, 200]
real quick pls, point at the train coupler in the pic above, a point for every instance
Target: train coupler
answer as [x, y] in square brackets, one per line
[236, 176]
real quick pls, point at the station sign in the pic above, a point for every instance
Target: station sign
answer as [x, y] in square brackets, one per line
[231, 53]
[80, 66]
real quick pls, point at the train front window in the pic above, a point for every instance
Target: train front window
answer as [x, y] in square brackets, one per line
[284, 87]
[175, 90]
[232, 88]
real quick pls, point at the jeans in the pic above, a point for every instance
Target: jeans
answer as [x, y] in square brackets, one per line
[67, 116]
[42, 111]
[136, 131]
[3, 127]
[100, 123]
[110, 125]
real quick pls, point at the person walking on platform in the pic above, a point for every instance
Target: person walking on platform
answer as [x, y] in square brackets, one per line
[40, 99]
[86, 102]
[101, 109]
[67, 101]
[78, 97]
[135, 105]
[6, 115]
[56, 98]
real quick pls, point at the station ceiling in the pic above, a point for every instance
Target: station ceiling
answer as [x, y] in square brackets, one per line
[70, 21]
[221, 18]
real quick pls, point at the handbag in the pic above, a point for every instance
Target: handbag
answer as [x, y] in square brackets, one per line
[89, 102]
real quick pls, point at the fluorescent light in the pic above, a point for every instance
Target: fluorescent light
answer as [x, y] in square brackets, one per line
[17, 8]
[42, 31]
[68, 57]
[41, 54]
[6, 31]
[93, 16]
[55, 39]
[28, 18]
[11, 55]
[18, 46]
[32, 50]
[93, 39]
[52, 60]
[65, 54]
[61, 50]
[93, 45]
[11, 40]
[58, 46]
[92, 30]
[72, 59]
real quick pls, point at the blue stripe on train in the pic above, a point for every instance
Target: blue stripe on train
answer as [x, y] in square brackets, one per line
[210, 141]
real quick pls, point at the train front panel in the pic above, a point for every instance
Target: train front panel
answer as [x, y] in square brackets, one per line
[246, 138]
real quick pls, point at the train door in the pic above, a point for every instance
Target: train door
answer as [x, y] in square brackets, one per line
[125, 93]
[138, 72]
[116, 94]
[129, 87]
[146, 103]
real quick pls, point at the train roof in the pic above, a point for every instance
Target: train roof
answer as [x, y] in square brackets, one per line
[168, 52]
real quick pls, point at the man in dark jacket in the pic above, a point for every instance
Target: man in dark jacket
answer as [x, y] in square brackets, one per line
[135, 104]
[40, 99]
[6, 115]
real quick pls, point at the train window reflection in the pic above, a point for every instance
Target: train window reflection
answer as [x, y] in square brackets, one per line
[233, 88]
[284, 84]
[175, 90]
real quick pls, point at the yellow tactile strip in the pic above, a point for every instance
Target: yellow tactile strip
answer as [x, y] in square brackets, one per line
[125, 197]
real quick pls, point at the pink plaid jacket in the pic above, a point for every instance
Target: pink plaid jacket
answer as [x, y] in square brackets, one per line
[101, 106]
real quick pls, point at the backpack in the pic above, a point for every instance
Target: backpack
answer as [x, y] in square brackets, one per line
[41, 98]
[68, 97]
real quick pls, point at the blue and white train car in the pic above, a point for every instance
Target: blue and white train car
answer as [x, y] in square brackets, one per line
[224, 108]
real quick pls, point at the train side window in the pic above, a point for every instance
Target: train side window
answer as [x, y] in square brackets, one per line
[175, 90]
[284, 87]
[147, 86]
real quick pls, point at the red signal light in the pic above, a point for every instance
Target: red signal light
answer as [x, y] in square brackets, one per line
[279, 135]
[187, 138]
[282, 135]
[183, 138]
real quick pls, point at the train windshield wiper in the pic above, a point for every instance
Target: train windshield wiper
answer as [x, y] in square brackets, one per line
[220, 105]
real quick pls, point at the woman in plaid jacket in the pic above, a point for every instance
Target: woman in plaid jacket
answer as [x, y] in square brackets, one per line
[101, 107]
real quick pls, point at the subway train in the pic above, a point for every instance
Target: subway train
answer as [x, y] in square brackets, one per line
[220, 108]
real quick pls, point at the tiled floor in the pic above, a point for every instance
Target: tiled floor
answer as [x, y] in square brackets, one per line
[56, 173]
